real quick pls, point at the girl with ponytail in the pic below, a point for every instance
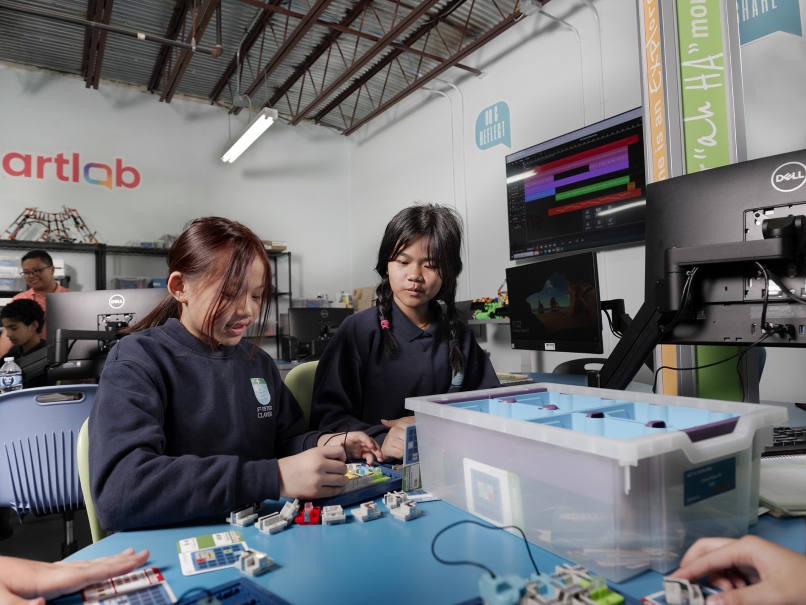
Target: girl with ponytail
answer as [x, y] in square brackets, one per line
[406, 346]
[190, 422]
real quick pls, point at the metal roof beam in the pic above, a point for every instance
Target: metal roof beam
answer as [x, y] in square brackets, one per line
[172, 33]
[494, 32]
[94, 50]
[402, 25]
[203, 18]
[387, 59]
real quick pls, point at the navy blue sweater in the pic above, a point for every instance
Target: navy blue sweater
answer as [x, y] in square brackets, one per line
[179, 432]
[357, 383]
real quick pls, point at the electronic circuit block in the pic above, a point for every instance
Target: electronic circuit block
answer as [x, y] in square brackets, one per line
[682, 592]
[290, 510]
[366, 512]
[406, 511]
[394, 499]
[246, 515]
[271, 524]
[361, 475]
[254, 563]
[310, 514]
[331, 515]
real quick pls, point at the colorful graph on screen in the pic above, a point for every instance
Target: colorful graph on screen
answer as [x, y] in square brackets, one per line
[581, 190]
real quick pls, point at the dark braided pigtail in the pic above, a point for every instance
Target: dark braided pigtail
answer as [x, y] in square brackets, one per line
[454, 331]
[383, 295]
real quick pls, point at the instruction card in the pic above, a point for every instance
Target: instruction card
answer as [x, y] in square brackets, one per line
[210, 552]
[144, 587]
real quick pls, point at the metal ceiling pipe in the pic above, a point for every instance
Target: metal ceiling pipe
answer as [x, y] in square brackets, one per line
[215, 52]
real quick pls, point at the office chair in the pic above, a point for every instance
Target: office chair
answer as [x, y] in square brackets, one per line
[39, 429]
[577, 366]
[300, 382]
[83, 455]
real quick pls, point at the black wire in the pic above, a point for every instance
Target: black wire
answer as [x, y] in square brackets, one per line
[70, 347]
[610, 322]
[685, 301]
[777, 281]
[716, 363]
[485, 568]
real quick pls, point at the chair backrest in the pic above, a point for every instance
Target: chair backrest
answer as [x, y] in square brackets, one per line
[38, 431]
[578, 366]
[300, 382]
[83, 455]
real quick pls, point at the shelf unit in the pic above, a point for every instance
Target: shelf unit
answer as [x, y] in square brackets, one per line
[99, 250]
[278, 294]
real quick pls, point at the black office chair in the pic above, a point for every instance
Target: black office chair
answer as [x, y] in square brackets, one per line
[578, 366]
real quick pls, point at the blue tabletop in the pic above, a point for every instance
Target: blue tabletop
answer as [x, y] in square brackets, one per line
[385, 560]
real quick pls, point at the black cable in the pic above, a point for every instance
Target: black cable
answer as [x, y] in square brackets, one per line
[777, 281]
[685, 301]
[610, 322]
[766, 296]
[715, 363]
[70, 347]
[485, 568]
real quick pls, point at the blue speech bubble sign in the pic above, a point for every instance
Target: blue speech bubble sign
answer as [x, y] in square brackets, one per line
[493, 126]
[761, 18]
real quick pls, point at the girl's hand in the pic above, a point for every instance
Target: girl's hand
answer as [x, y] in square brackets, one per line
[358, 444]
[748, 571]
[395, 443]
[315, 473]
[21, 580]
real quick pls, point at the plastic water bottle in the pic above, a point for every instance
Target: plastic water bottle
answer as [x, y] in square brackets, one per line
[10, 376]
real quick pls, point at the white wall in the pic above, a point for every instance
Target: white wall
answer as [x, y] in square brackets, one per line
[292, 184]
[405, 155]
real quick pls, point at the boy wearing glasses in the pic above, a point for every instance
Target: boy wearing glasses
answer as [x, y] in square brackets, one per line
[38, 272]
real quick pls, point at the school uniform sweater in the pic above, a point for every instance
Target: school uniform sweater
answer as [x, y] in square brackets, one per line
[357, 383]
[179, 432]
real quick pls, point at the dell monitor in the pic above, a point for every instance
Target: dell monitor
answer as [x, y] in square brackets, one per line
[98, 311]
[309, 330]
[554, 305]
[583, 190]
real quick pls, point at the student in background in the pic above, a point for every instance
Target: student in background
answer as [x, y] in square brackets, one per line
[406, 346]
[22, 320]
[189, 421]
[38, 272]
[749, 571]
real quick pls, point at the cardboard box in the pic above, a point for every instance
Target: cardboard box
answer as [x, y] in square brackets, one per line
[275, 245]
[362, 298]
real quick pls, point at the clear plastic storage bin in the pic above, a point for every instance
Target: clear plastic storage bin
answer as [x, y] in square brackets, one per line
[616, 481]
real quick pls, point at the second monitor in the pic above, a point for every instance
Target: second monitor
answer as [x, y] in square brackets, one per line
[554, 305]
[312, 328]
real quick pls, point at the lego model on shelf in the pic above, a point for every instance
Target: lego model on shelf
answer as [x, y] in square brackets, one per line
[617, 481]
[239, 592]
[367, 511]
[309, 515]
[490, 308]
[333, 515]
[56, 226]
[369, 489]
[246, 515]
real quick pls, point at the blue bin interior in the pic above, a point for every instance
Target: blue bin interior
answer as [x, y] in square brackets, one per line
[595, 416]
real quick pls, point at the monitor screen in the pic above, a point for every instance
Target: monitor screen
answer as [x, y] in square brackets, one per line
[554, 305]
[308, 324]
[583, 190]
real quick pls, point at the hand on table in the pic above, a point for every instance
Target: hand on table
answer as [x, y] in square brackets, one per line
[358, 445]
[749, 571]
[315, 473]
[34, 582]
[395, 442]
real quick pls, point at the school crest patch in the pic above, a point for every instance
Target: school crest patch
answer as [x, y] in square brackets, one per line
[261, 390]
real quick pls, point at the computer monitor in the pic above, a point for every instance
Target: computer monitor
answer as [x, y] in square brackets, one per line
[554, 305]
[309, 324]
[721, 221]
[105, 311]
[583, 190]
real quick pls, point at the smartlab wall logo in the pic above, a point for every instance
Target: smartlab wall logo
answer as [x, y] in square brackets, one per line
[789, 177]
[68, 168]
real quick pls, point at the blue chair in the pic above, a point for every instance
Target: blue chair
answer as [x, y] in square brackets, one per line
[39, 429]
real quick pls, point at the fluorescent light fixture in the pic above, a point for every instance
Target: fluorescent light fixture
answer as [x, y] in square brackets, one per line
[257, 127]
[522, 176]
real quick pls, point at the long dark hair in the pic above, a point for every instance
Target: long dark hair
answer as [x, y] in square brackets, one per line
[214, 249]
[442, 228]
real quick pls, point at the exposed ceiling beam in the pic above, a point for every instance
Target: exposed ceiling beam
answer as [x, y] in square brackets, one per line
[303, 27]
[402, 25]
[203, 17]
[318, 52]
[172, 33]
[387, 59]
[494, 32]
[94, 51]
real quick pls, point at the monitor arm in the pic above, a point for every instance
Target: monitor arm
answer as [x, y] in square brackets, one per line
[63, 337]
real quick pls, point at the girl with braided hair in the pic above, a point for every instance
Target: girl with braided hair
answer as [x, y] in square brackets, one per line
[406, 346]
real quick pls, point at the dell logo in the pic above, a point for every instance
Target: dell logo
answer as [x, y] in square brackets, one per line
[789, 177]
[324, 313]
[116, 301]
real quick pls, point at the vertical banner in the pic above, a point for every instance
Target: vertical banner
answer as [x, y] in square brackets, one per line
[655, 115]
[707, 141]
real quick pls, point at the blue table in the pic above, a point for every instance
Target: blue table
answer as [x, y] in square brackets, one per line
[383, 561]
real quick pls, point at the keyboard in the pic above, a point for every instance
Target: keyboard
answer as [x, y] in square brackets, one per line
[787, 440]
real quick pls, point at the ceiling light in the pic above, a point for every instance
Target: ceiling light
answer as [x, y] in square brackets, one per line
[530, 7]
[257, 127]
